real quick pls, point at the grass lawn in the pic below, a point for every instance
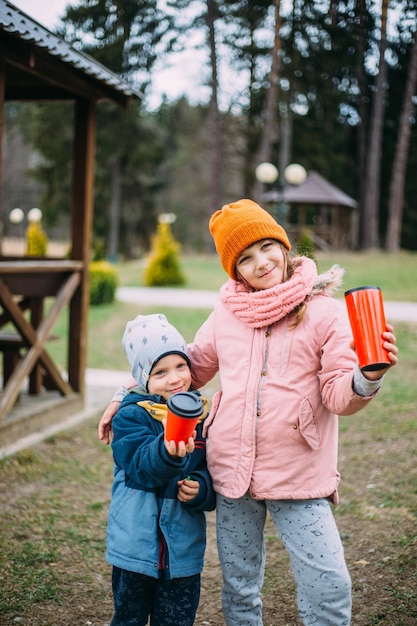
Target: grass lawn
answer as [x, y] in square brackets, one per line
[394, 274]
[54, 499]
[54, 496]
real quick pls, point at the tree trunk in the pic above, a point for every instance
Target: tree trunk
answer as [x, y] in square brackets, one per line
[2, 114]
[269, 130]
[114, 221]
[369, 235]
[362, 129]
[396, 193]
[214, 125]
[285, 144]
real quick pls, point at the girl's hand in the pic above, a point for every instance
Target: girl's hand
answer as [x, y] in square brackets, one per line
[187, 489]
[104, 427]
[391, 348]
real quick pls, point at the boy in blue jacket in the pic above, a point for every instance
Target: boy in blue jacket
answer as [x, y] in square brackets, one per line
[156, 535]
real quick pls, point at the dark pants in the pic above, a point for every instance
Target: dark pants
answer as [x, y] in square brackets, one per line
[167, 602]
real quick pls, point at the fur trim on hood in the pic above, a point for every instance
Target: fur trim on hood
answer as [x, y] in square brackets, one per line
[329, 281]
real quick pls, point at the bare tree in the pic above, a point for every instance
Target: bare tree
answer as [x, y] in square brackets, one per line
[369, 233]
[115, 167]
[396, 193]
[269, 129]
[362, 110]
[214, 123]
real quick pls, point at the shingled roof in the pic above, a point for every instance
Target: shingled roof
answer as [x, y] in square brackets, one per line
[36, 65]
[314, 190]
[23, 37]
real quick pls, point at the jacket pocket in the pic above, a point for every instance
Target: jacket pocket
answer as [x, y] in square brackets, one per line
[307, 425]
[214, 406]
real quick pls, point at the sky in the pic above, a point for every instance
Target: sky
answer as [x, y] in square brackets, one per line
[182, 76]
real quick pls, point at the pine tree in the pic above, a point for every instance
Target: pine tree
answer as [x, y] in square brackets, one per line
[164, 266]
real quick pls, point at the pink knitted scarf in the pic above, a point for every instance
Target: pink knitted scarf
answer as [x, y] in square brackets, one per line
[258, 309]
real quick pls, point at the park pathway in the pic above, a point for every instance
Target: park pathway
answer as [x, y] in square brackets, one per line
[203, 299]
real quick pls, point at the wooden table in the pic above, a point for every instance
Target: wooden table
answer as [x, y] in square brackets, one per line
[24, 285]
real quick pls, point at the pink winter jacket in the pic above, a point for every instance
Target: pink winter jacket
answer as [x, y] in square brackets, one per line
[273, 428]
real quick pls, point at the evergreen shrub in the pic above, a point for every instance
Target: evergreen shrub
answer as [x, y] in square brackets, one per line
[36, 240]
[99, 250]
[104, 281]
[305, 244]
[163, 266]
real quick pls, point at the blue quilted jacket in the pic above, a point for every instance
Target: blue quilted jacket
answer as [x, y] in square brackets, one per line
[146, 520]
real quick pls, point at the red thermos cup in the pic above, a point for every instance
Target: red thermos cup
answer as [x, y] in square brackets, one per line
[184, 410]
[365, 308]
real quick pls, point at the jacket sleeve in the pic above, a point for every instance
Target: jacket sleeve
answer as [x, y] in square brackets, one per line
[203, 354]
[338, 362]
[138, 448]
[206, 499]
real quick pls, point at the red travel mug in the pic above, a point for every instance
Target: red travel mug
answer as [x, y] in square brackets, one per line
[184, 410]
[365, 308]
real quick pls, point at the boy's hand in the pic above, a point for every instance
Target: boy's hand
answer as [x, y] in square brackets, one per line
[180, 449]
[187, 489]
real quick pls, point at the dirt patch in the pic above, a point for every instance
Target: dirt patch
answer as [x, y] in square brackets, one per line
[54, 501]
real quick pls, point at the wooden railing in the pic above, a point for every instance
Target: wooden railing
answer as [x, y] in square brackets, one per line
[24, 285]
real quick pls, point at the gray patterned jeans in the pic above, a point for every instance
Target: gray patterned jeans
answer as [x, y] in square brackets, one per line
[309, 533]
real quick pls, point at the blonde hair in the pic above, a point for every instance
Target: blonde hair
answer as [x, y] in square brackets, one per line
[301, 308]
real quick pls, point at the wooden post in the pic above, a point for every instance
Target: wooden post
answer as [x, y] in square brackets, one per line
[2, 88]
[81, 228]
[36, 315]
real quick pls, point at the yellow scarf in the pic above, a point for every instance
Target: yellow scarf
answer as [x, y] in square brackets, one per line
[159, 411]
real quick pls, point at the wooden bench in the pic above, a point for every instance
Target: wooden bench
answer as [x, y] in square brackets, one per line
[11, 344]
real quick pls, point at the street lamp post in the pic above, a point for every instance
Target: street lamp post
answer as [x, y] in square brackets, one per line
[268, 174]
[16, 217]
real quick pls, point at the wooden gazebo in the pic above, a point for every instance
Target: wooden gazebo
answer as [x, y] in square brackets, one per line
[36, 65]
[317, 205]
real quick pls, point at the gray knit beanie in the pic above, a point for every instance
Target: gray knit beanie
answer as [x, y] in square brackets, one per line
[146, 340]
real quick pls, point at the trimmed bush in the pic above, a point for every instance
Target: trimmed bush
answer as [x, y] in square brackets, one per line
[104, 281]
[163, 265]
[36, 240]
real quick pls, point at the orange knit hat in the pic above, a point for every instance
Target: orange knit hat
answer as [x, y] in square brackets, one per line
[237, 226]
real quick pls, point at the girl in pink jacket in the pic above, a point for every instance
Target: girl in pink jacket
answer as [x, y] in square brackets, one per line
[282, 347]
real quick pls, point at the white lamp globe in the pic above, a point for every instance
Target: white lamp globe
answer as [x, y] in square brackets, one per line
[35, 215]
[16, 216]
[295, 174]
[167, 218]
[266, 173]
